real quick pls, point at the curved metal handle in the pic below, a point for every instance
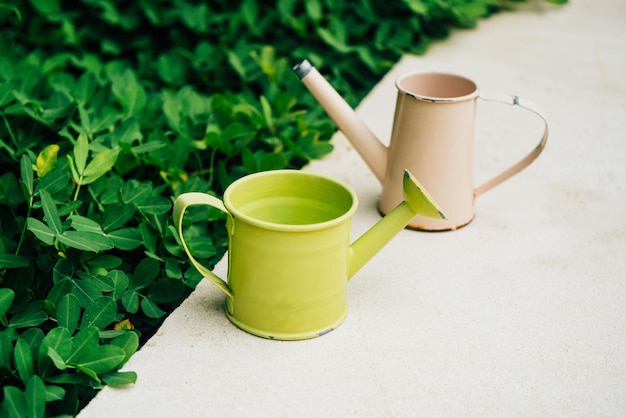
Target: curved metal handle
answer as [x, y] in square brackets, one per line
[180, 206]
[524, 162]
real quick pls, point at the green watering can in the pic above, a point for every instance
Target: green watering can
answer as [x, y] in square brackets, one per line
[289, 254]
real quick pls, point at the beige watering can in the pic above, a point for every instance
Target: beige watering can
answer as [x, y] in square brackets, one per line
[289, 251]
[432, 136]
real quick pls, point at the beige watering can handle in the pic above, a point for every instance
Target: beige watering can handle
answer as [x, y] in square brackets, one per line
[180, 206]
[524, 162]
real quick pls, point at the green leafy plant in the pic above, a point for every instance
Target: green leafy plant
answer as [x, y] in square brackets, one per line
[108, 110]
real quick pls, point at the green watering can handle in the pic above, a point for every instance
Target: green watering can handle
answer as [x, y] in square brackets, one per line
[180, 206]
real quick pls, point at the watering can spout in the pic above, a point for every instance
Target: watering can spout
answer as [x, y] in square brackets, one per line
[417, 201]
[373, 152]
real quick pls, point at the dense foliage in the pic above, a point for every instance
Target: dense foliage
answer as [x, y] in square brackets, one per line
[108, 110]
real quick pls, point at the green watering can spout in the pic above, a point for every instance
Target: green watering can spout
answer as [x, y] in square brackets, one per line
[417, 201]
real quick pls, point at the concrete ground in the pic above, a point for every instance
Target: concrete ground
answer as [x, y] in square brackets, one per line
[522, 313]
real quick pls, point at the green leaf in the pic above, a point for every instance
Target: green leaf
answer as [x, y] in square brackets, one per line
[27, 175]
[116, 216]
[267, 113]
[126, 239]
[46, 160]
[129, 93]
[81, 153]
[56, 360]
[417, 6]
[85, 88]
[60, 340]
[51, 215]
[333, 39]
[70, 207]
[312, 147]
[108, 334]
[201, 247]
[130, 301]
[250, 13]
[34, 315]
[236, 64]
[249, 161]
[172, 109]
[46, 7]
[85, 120]
[129, 342]
[105, 261]
[86, 292]
[40, 230]
[84, 341]
[145, 273]
[34, 337]
[68, 312]
[314, 10]
[196, 17]
[23, 360]
[101, 164]
[135, 192]
[100, 313]
[35, 395]
[6, 351]
[14, 402]
[103, 359]
[54, 393]
[127, 132]
[6, 89]
[166, 290]
[120, 283]
[102, 281]
[10, 192]
[155, 206]
[272, 161]
[8, 261]
[119, 379]
[75, 379]
[86, 241]
[54, 181]
[60, 288]
[87, 371]
[153, 145]
[149, 236]
[80, 223]
[172, 269]
[151, 310]
[171, 67]
[6, 298]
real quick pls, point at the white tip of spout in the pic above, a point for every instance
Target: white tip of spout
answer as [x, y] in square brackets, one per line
[302, 68]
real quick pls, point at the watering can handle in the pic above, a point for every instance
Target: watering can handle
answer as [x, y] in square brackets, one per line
[530, 157]
[181, 204]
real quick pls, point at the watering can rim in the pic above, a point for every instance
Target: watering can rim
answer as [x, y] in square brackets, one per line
[317, 226]
[472, 94]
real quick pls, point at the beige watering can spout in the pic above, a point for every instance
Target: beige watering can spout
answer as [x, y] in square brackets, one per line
[373, 152]
[417, 201]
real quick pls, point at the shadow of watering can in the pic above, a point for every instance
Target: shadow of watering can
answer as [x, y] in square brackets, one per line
[432, 136]
[289, 253]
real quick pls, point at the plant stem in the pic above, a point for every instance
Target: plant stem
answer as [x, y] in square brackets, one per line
[24, 228]
[95, 199]
[77, 191]
[11, 134]
[211, 166]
